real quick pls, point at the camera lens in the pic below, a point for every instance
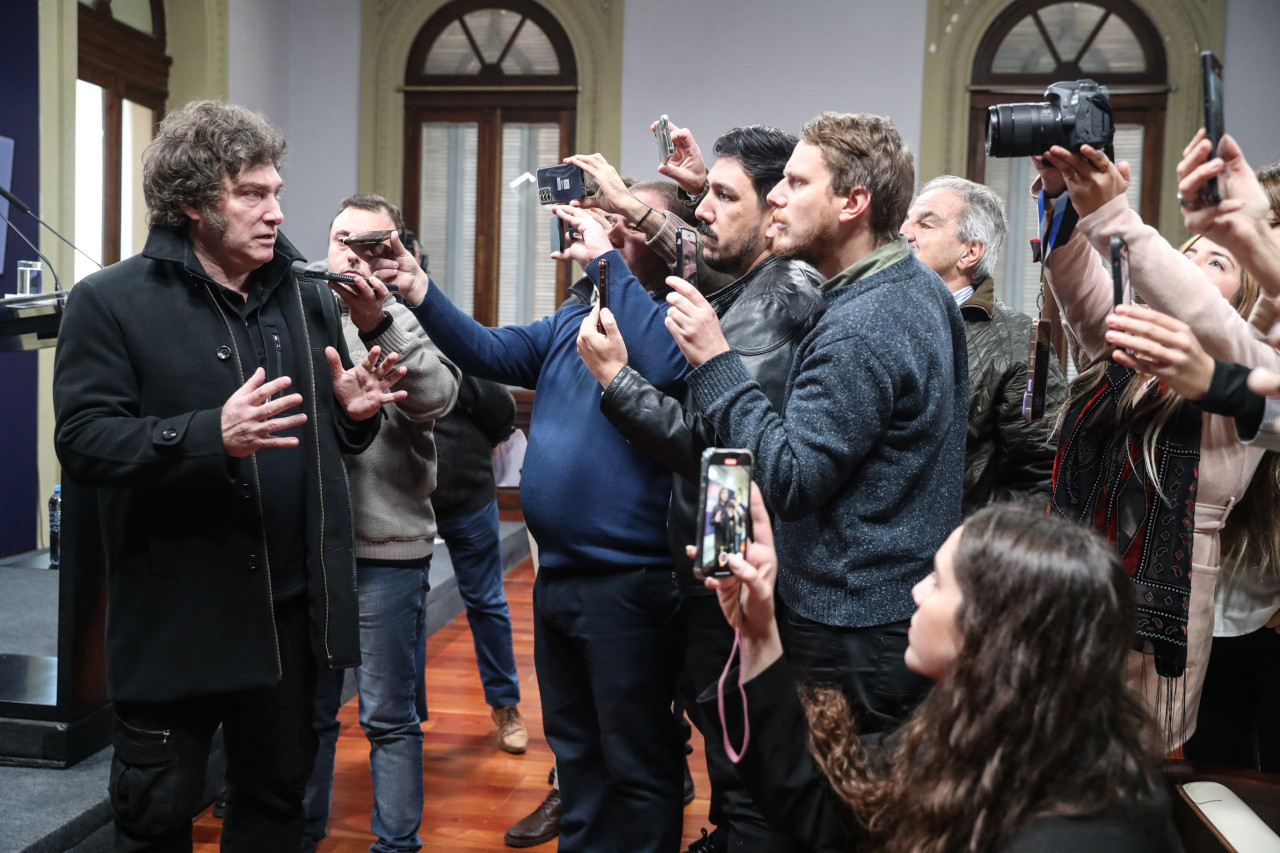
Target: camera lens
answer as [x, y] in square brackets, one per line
[1017, 130]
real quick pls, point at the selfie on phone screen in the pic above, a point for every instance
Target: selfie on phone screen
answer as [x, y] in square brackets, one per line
[725, 513]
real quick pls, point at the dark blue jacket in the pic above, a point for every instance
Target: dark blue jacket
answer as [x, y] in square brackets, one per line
[589, 498]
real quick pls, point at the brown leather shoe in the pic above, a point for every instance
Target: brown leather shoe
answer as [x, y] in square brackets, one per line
[539, 827]
[513, 737]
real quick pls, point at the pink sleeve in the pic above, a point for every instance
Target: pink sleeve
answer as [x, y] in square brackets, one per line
[1081, 285]
[1170, 282]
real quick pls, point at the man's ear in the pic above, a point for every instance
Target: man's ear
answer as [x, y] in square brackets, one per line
[193, 213]
[971, 256]
[856, 203]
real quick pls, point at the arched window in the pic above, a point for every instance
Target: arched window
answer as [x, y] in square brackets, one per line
[1034, 43]
[491, 92]
[122, 85]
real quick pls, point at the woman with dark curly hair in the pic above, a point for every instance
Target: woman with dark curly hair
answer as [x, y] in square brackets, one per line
[1030, 740]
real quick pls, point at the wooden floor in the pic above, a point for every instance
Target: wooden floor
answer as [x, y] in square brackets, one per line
[474, 791]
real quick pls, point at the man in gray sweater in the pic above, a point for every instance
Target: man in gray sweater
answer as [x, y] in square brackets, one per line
[862, 467]
[395, 532]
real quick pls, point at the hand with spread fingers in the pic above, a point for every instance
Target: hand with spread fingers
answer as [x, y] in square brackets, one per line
[693, 323]
[686, 166]
[1151, 342]
[249, 417]
[365, 388]
[1091, 178]
[746, 597]
[611, 195]
[603, 353]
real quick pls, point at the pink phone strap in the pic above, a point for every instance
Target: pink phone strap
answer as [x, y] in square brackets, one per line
[734, 755]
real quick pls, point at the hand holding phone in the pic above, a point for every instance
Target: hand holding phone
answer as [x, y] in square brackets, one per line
[687, 254]
[724, 528]
[1211, 88]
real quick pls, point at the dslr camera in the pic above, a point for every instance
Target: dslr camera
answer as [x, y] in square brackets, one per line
[560, 184]
[1071, 115]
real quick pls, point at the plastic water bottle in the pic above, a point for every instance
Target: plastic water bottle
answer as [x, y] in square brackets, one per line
[55, 528]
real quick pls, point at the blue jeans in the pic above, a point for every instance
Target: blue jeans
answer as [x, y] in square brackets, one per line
[476, 553]
[392, 603]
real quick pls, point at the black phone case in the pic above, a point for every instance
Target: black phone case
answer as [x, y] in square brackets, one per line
[1037, 371]
[1211, 84]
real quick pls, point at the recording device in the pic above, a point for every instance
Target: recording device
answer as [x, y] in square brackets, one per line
[687, 255]
[602, 290]
[1038, 356]
[560, 184]
[563, 233]
[368, 238]
[1211, 86]
[1072, 114]
[666, 148]
[300, 271]
[725, 526]
[1122, 293]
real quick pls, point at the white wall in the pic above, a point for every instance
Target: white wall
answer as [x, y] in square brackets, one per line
[1250, 75]
[713, 65]
[298, 63]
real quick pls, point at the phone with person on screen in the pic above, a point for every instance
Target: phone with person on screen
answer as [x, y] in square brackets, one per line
[724, 525]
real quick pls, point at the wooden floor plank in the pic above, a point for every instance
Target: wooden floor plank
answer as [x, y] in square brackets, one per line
[474, 791]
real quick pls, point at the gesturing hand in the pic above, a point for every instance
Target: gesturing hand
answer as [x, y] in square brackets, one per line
[393, 264]
[249, 416]
[1161, 346]
[604, 355]
[1092, 179]
[693, 323]
[363, 389]
[686, 166]
[612, 195]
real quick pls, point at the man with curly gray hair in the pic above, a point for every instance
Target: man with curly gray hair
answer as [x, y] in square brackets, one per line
[207, 394]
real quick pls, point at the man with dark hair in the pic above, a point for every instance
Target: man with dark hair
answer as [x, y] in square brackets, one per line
[395, 529]
[862, 462]
[767, 310]
[956, 227]
[225, 518]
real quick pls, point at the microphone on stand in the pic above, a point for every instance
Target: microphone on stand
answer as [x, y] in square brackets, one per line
[22, 206]
[56, 284]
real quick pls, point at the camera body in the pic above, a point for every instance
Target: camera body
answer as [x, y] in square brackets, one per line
[560, 184]
[1072, 114]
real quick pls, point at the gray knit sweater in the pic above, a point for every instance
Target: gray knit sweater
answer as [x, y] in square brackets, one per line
[863, 469]
[392, 481]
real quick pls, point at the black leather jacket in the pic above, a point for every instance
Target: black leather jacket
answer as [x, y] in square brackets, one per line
[764, 315]
[1005, 457]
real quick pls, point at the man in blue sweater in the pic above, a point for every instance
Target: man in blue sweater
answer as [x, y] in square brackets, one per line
[862, 466]
[605, 602]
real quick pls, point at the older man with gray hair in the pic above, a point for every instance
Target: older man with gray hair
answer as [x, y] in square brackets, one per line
[957, 227]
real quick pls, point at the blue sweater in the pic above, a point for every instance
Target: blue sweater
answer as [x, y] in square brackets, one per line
[864, 467]
[589, 498]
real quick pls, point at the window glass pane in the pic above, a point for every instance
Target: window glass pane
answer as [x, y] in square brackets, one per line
[526, 274]
[135, 13]
[1023, 51]
[1069, 24]
[532, 53]
[452, 53]
[1115, 51]
[89, 184]
[135, 134]
[446, 225]
[492, 29]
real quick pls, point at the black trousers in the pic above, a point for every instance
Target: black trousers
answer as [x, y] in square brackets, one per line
[868, 664]
[1240, 706]
[710, 639]
[162, 753]
[607, 648]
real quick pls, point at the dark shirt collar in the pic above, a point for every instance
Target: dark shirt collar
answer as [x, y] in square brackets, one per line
[174, 246]
[982, 304]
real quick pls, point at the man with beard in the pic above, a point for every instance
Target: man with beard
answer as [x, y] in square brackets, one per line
[862, 463]
[765, 312]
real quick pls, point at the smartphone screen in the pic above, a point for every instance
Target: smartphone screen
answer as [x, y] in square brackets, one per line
[687, 254]
[726, 511]
[1122, 293]
[1214, 127]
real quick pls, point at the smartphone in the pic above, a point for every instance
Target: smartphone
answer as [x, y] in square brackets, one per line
[1122, 293]
[1038, 356]
[368, 238]
[687, 254]
[725, 525]
[666, 148]
[602, 290]
[562, 234]
[1211, 87]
